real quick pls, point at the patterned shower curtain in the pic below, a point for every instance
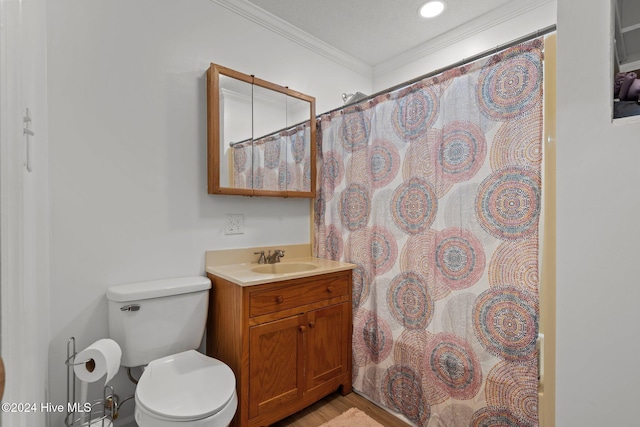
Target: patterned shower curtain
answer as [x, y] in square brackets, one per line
[434, 191]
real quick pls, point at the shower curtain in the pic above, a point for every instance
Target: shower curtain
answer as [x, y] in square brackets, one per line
[434, 192]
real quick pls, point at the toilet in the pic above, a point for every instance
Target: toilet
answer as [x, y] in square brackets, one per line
[159, 325]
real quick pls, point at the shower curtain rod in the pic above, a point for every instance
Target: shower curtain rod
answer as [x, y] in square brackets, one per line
[531, 36]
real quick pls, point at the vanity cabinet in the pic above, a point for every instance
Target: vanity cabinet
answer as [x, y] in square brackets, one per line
[288, 342]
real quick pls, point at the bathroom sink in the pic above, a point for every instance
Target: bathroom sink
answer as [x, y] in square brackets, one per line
[250, 273]
[284, 268]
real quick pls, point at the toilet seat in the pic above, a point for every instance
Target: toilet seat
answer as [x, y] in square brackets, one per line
[185, 386]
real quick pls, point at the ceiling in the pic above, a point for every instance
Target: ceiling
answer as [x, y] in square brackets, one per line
[375, 31]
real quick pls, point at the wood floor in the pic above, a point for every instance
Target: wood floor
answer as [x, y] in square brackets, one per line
[334, 405]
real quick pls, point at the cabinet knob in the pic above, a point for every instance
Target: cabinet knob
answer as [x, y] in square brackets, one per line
[312, 324]
[279, 299]
[329, 289]
[303, 328]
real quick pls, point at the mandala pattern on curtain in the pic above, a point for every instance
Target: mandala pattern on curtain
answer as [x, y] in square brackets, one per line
[434, 192]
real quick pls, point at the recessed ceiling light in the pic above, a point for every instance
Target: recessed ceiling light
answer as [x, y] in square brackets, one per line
[431, 9]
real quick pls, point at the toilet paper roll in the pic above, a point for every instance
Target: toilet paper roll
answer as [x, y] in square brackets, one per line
[101, 358]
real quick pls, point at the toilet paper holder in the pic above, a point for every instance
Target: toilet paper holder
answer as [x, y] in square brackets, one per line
[98, 413]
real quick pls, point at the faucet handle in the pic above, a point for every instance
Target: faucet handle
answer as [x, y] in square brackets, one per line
[261, 259]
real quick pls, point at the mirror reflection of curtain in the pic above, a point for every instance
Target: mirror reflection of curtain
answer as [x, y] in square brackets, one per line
[267, 160]
[242, 166]
[434, 191]
[278, 162]
[298, 165]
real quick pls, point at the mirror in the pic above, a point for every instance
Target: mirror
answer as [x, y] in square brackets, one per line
[261, 137]
[235, 116]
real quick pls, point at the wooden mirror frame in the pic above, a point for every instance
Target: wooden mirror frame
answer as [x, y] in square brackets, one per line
[214, 140]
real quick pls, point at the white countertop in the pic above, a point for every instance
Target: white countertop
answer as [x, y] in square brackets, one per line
[242, 274]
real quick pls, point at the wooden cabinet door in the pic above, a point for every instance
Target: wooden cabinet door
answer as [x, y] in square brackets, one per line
[328, 339]
[276, 363]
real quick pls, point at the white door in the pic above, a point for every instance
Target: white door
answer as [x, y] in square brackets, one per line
[24, 306]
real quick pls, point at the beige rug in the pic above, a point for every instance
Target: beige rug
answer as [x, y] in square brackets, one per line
[352, 418]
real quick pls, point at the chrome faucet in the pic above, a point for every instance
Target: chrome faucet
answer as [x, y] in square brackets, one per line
[275, 257]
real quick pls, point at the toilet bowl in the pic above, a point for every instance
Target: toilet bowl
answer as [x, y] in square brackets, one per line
[160, 324]
[188, 388]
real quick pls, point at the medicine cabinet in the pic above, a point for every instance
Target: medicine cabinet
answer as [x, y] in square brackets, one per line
[261, 137]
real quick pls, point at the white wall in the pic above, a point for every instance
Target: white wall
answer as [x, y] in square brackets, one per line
[489, 31]
[127, 134]
[597, 248]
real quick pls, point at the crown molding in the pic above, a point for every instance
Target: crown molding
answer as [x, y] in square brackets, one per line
[271, 22]
[472, 28]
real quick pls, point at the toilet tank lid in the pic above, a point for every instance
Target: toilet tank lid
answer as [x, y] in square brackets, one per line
[157, 288]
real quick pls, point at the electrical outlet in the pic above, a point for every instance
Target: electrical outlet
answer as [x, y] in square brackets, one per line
[234, 224]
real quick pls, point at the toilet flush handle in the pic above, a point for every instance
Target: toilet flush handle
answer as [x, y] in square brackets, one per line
[130, 307]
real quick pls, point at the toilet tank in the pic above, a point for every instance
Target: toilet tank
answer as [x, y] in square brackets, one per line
[150, 320]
